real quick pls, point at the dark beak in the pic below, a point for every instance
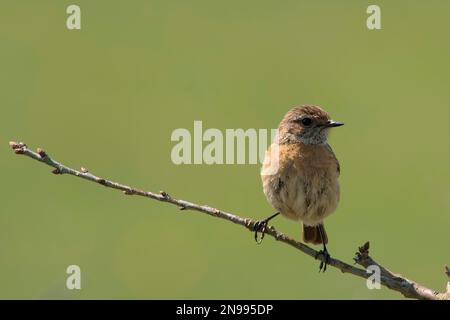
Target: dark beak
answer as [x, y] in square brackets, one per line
[332, 123]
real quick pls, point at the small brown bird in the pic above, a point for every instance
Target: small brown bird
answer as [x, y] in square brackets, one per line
[300, 174]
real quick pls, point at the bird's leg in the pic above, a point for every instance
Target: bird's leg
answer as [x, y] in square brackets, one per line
[324, 252]
[260, 226]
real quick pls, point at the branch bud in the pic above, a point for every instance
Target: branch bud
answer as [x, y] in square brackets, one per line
[14, 145]
[164, 194]
[41, 152]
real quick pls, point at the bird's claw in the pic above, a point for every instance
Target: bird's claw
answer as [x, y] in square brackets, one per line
[260, 226]
[324, 261]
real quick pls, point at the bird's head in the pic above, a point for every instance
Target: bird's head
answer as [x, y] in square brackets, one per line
[306, 124]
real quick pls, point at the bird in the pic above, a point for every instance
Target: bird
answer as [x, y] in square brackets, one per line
[300, 174]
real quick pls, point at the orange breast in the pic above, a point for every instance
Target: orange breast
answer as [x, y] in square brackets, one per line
[305, 187]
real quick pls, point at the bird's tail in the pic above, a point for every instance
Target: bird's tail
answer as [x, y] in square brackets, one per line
[312, 234]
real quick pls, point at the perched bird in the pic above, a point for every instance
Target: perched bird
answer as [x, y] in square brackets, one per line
[300, 174]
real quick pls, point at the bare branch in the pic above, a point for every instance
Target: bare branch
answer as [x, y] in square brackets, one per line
[396, 282]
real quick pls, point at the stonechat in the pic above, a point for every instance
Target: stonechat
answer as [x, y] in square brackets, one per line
[305, 186]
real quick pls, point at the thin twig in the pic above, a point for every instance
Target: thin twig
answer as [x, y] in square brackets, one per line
[408, 288]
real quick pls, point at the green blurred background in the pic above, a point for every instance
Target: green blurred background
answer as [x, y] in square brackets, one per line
[109, 96]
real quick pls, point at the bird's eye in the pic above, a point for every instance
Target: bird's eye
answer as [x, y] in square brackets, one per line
[306, 122]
